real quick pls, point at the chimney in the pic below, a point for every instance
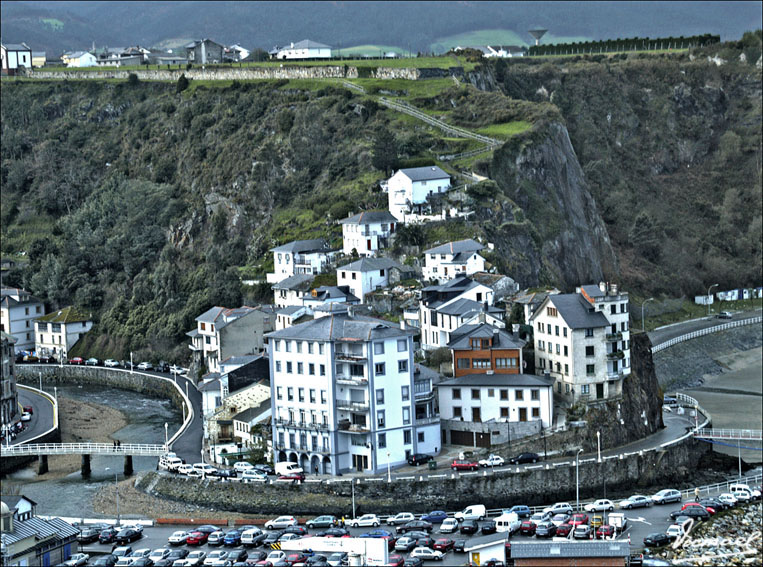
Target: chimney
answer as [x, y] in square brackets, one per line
[613, 289]
[603, 287]
[515, 328]
[482, 317]
[350, 312]
[402, 324]
[496, 330]
[292, 45]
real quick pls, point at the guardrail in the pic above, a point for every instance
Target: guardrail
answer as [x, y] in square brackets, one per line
[707, 331]
[740, 434]
[52, 400]
[135, 449]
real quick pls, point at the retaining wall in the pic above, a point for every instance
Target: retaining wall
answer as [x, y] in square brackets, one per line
[667, 466]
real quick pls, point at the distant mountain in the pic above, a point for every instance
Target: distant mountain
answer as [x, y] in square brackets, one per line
[419, 26]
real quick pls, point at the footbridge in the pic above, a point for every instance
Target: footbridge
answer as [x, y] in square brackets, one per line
[730, 434]
[43, 450]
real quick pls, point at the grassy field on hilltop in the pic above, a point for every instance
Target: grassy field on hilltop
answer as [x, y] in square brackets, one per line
[368, 50]
[497, 37]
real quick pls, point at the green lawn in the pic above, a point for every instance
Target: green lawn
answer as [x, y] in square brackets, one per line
[505, 130]
[368, 50]
[57, 25]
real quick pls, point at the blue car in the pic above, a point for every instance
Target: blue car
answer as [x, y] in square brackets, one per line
[377, 533]
[521, 511]
[435, 517]
[232, 538]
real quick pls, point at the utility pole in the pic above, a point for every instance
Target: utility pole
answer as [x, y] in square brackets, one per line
[642, 312]
[577, 480]
[709, 296]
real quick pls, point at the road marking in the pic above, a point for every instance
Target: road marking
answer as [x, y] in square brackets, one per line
[642, 520]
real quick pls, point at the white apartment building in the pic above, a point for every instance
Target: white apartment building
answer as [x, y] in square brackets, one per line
[300, 257]
[18, 311]
[445, 308]
[292, 291]
[444, 262]
[367, 232]
[408, 189]
[56, 332]
[344, 395]
[582, 340]
[365, 275]
[305, 49]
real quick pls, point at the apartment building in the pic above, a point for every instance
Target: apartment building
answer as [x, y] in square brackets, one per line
[365, 275]
[18, 311]
[444, 262]
[57, 332]
[367, 232]
[582, 340]
[300, 257]
[345, 395]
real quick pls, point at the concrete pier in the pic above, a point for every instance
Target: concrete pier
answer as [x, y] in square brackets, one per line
[42, 464]
[128, 470]
[86, 465]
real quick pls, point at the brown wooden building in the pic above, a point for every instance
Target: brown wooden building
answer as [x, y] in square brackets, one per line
[484, 349]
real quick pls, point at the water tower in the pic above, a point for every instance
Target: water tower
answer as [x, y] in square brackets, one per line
[537, 33]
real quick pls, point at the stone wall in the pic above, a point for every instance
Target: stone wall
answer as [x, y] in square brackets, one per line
[633, 472]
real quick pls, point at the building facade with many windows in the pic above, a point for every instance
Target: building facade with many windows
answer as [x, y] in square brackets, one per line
[582, 340]
[18, 310]
[345, 395]
[57, 332]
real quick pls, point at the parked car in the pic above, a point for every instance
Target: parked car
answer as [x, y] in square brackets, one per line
[582, 531]
[223, 473]
[280, 523]
[334, 532]
[657, 539]
[602, 505]
[459, 545]
[539, 517]
[521, 511]
[77, 360]
[252, 537]
[527, 528]
[111, 363]
[419, 459]
[492, 461]
[579, 520]
[88, 535]
[724, 315]
[666, 495]
[414, 525]
[711, 510]
[426, 554]
[253, 475]
[365, 520]
[338, 559]
[469, 527]
[77, 560]
[559, 508]
[108, 535]
[295, 557]
[214, 557]
[405, 544]
[435, 516]
[264, 467]
[545, 529]
[400, 518]
[488, 527]
[241, 466]
[232, 538]
[712, 504]
[728, 499]
[448, 526]
[146, 366]
[197, 538]
[105, 561]
[464, 465]
[443, 544]
[163, 367]
[414, 562]
[395, 561]
[524, 458]
[322, 522]
[293, 477]
[696, 512]
[92, 362]
[605, 531]
[563, 530]
[122, 551]
[636, 501]
[158, 554]
[559, 519]
[127, 535]
[178, 553]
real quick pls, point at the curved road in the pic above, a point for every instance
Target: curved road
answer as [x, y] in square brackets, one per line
[42, 419]
[677, 329]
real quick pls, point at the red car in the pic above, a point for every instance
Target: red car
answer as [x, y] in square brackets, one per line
[527, 528]
[708, 508]
[293, 477]
[605, 531]
[444, 544]
[197, 538]
[579, 519]
[395, 561]
[563, 530]
[76, 360]
[293, 558]
[464, 465]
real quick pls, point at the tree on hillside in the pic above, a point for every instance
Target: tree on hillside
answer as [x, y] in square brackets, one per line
[385, 151]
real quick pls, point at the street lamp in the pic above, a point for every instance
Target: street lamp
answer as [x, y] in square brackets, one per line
[166, 439]
[598, 445]
[389, 477]
[116, 487]
[708, 297]
[642, 312]
[577, 480]
[130, 362]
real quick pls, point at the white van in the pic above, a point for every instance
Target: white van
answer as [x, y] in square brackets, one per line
[203, 468]
[288, 468]
[473, 512]
[507, 523]
[185, 469]
[169, 463]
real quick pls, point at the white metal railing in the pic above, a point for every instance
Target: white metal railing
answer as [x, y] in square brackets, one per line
[702, 332]
[133, 449]
[741, 434]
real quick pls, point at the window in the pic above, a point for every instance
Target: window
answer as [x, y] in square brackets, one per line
[280, 438]
[378, 348]
[208, 340]
[405, 393]
[380, 421]
[381, 440]
[551, 311]
[566, 369]
[480, 363]
[557, 348]
[536, 412]
[421, 436]
[463, 363]
[312, 398]
[406, 416]
[380, 396]
[290, 394]
[559, 387]
[541, 345]
[320, 348]
[624, 326]
[406, 437]
[354, 275]
[301, 394]
[323, 369]
[479, 297]
[613, 309]
[491, 393]
[299, 346]
[311, 369]
[589, 351]
[504, 394]
[590, 369]
[519, 395]
[310, 348]
[589, 332]
[564, 331]
[505, 413]
[323, 396]
[565, 350]
[279, 393]
[202, 326]
[278, 365]
[540, 327]
[535, 394]
[379, 369]
[585, 389]
[456, 393]
[287, 344]
[475, 393]
[557, 330]
[457, 412]
[402, 345]
[300, 367]
[402, 366]
[288, 367]
[566, 388]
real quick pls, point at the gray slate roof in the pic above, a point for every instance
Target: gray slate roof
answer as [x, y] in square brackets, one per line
[309, 44]
[595, 292]
[368, 217]
[211, 384]
[241, 360]
[333, 292]
[290, 310]
[522, 550]
[222, 316]
[576, 311]
[482, 541]
[529, 380]
[38, 528]
[16, 47]
[465, 307]
[250, 413]
[501, 338]
[300, 282]
[424, 173]
[341, 326]
[12, 500]
[302, 246]
[370, 264]
[467, 245]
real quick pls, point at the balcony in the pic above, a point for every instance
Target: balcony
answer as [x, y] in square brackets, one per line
[614, 336]
[615, 355]
[301, 425]
[615, 375]
[350, 356]
[423, 393]
[356, 429]
[352, 406]
[427, 420]
[352, 380]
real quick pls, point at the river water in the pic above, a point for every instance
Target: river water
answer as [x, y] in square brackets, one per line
[72, 495]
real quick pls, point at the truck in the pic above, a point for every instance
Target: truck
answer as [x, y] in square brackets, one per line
[618, 521]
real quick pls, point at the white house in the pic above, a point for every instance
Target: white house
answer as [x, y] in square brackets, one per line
[327, 294]
[367, 232]
[408, 189]
[300, 257]
[57, 332]
[15, 56]
[292, 315]
[79, 59]
[18, 311]
[305, 49]
[445, 308]
[365, 275]
[292, 290]
[344, 398]
[582, 341]
[446, 261]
